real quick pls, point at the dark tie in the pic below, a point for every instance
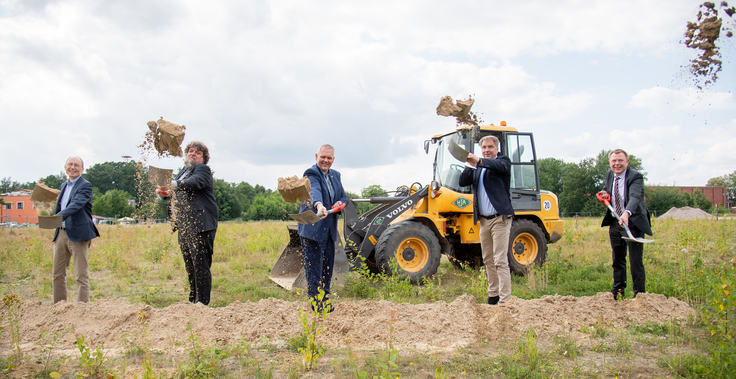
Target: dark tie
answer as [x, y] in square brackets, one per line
[330, 189]
[617, 196]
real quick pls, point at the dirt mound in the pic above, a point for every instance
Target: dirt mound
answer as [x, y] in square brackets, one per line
[685, 213]
[702, 35]
[294, 188]
[164, 136]
[363, 324]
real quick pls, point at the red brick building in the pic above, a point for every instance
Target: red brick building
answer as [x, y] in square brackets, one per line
[716, 195]
[18, 207]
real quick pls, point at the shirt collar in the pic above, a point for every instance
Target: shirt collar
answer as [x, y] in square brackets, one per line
[74, 181]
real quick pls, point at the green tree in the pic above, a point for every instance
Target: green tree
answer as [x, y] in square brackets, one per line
[698, 200]
[245, 194]
[728, 181]
[227, 201]
[113, 176]
[551, 171]
[54, 181]
[270, 206]
[660, 199]
[113, 203]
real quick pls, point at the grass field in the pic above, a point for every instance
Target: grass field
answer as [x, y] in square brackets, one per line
[693, 260]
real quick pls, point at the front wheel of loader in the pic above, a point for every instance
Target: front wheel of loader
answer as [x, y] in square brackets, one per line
[410, 249]
[527, 246]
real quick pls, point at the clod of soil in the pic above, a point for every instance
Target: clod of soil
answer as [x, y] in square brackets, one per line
[159, 176]
[44, 198]
[702, 35]
[460, 110]
[166, 137]
[685, 213]
[294, 189]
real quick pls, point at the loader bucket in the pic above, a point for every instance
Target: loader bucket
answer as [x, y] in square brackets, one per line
[288, 272]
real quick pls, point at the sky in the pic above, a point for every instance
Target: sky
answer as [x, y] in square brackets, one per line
[264, 83]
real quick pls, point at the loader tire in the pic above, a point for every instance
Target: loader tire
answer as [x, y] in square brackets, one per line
[527, 246]
[411, 248]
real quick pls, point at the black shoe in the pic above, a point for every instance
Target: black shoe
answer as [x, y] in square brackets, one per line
[493, 300]
[619, 295]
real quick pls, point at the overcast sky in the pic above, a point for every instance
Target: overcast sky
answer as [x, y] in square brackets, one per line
[264, 83]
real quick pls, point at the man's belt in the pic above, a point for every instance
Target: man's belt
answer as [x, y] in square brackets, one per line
[491, 217]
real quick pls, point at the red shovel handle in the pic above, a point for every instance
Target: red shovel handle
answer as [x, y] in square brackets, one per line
[339, 207]
[603, 197]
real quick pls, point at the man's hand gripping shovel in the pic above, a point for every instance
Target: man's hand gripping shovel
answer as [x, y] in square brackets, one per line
[604, 199]
[308, 217]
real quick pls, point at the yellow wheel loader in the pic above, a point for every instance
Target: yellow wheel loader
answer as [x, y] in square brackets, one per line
[406, 234]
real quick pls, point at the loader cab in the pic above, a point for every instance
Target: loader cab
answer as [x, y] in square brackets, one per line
[519, 147]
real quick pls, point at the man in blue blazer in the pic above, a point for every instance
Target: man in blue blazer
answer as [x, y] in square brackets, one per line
[625, 187]
[490, 178]
[194, 214]
[77, 230]
[318, 239]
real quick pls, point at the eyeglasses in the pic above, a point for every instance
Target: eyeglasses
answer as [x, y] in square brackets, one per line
[73, 165]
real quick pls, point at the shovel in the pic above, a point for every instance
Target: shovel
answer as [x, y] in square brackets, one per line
[631, 237]
[308, 217]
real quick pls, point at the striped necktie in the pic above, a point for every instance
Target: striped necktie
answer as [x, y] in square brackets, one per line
[617, 196]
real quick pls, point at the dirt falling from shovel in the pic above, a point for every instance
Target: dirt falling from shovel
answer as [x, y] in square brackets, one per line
[702, 35]
[460, 110]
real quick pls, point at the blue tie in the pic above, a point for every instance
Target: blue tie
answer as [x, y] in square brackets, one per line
[330, 189]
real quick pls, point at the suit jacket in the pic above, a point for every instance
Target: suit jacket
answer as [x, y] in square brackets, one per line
[496, 181]
[633, 200]
[194, 202]
[327, 227]
[77, 215]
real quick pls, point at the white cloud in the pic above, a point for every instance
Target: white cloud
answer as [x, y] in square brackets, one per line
[665, 100]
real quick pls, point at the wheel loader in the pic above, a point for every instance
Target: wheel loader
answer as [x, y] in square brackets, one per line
[406, 234]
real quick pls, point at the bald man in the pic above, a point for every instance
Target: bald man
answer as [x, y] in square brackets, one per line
[77, 230]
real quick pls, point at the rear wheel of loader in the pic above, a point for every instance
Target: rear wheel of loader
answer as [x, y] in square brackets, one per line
[527, 246]
[411, 248]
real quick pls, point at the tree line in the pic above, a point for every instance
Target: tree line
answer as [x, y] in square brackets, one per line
[575, 184]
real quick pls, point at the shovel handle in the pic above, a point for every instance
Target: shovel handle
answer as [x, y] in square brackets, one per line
[333, 210]
[604, 198]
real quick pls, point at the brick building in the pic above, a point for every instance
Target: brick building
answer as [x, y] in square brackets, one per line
[18, 207]
[716, 195]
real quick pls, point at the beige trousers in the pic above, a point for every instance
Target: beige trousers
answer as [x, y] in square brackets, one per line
[494, 242]
[64, 250]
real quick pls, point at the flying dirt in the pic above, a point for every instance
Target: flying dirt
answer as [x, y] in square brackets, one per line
[702, 35]
[164, 136]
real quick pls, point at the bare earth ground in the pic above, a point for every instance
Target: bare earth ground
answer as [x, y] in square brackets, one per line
[362, 324]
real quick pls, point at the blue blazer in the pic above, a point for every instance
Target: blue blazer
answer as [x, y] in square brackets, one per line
[327, 227]
[77, 215]
[633, 200]
[497, 183]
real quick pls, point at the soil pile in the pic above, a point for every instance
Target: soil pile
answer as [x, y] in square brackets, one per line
[294, 189]
[460, 110]
[702, 35]
[685, 213]
[362, 324]
[164, 136]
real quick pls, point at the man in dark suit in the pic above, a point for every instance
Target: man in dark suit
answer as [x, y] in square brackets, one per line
[194, 214]
[624, 187]
[77, 230]
[490, 178]
[318, 239]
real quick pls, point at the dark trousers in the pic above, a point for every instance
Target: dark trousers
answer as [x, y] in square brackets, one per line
[318, 260]
[197, 250]
[636, 253]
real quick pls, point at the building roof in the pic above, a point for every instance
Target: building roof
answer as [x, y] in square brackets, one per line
[20, 192]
